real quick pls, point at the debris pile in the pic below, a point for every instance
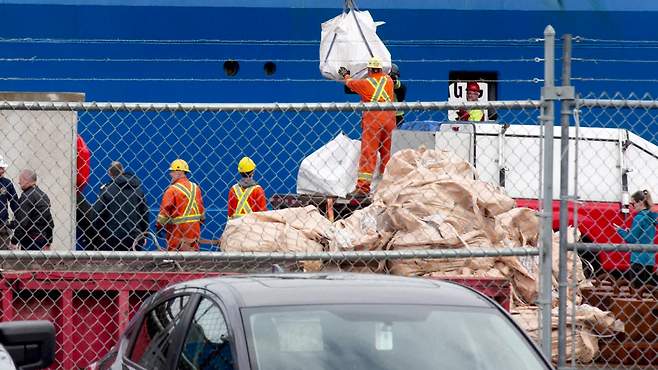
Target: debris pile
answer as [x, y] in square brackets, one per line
[430, 199]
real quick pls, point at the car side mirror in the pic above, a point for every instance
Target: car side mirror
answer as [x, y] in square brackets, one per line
[31, 344]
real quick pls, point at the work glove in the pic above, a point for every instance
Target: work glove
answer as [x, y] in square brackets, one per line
[463, 115]
[342, 71]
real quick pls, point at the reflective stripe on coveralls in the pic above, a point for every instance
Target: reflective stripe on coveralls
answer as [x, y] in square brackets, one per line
[243, 208]
[379, 93]
[191, 213]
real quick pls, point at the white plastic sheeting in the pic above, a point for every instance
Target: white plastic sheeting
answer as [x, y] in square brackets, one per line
[331, 170]
[349, 40]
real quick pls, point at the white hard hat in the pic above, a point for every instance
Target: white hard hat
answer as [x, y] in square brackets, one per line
[3, 164]
[374, 63]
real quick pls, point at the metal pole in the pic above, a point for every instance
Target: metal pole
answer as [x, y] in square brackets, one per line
[576, 118]
[546, 278]
[565, 113]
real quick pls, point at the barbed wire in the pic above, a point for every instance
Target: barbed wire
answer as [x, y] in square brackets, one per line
[248, 41]
[252, 60]
[161, 79]
[590, 43]
[595, 60]
[605, 79]
[615, 41]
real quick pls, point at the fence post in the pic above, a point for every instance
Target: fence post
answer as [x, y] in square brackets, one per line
[566, 104]
[547, 117]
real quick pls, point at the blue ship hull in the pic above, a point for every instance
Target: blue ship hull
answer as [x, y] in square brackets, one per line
[280, 21]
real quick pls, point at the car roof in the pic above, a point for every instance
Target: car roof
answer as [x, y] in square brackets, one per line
[337, 288]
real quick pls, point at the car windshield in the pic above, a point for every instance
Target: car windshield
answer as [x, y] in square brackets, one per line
[395, 337]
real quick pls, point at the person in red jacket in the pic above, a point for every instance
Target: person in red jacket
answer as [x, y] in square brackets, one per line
[246, 196]
[83, 164]
[377, 125]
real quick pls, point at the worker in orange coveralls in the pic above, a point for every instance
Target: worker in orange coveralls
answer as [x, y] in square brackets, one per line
[181, 211]
[246, 196]
[377, 126]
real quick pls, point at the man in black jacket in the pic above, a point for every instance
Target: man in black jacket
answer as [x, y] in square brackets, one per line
[8, 199]
[33, 226]
[399, 90]
[84, 215]
[122, 214]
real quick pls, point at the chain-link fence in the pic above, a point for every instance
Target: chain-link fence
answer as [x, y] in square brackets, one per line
[608, 159]
[451, 204]
[614, 178]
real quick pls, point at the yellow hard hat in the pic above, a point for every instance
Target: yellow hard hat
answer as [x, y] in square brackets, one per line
[246, 165]
[179, 165]
[374, 63]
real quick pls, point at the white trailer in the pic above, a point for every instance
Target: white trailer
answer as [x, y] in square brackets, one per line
[609, 162]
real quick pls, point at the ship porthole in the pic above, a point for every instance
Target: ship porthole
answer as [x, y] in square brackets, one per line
[231, 67]
[269, 68]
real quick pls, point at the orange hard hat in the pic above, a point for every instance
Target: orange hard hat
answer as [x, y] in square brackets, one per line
[472, 86]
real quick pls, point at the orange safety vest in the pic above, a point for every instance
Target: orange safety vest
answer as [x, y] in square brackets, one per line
[191, 212]
[379, 94]
[243, 208]
[374, 88]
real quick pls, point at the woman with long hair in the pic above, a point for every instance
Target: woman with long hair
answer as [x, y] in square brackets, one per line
[642, 231]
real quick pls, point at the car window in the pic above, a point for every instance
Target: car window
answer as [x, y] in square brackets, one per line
[207, 345]
[151, 346]
[390, 337]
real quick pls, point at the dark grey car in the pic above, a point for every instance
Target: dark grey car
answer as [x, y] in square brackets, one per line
[322, 322]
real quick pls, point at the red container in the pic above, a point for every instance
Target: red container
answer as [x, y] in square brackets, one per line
[90, 310]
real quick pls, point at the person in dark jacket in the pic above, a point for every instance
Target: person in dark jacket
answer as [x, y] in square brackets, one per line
[8, 199]
[33, 226]
[122, 215]
[85, 217]
[399, 90]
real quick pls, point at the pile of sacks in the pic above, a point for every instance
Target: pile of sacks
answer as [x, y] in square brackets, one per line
[430, 199]
[590, 324]
[288, 230]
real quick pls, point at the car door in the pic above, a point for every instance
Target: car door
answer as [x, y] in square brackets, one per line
[207, 344]
[157, 339]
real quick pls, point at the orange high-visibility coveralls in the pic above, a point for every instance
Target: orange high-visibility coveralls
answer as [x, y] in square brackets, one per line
[181, 213]
[242, 201]
[377, 126]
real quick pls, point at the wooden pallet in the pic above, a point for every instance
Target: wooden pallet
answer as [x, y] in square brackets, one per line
[638, 345]
[629, 353]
